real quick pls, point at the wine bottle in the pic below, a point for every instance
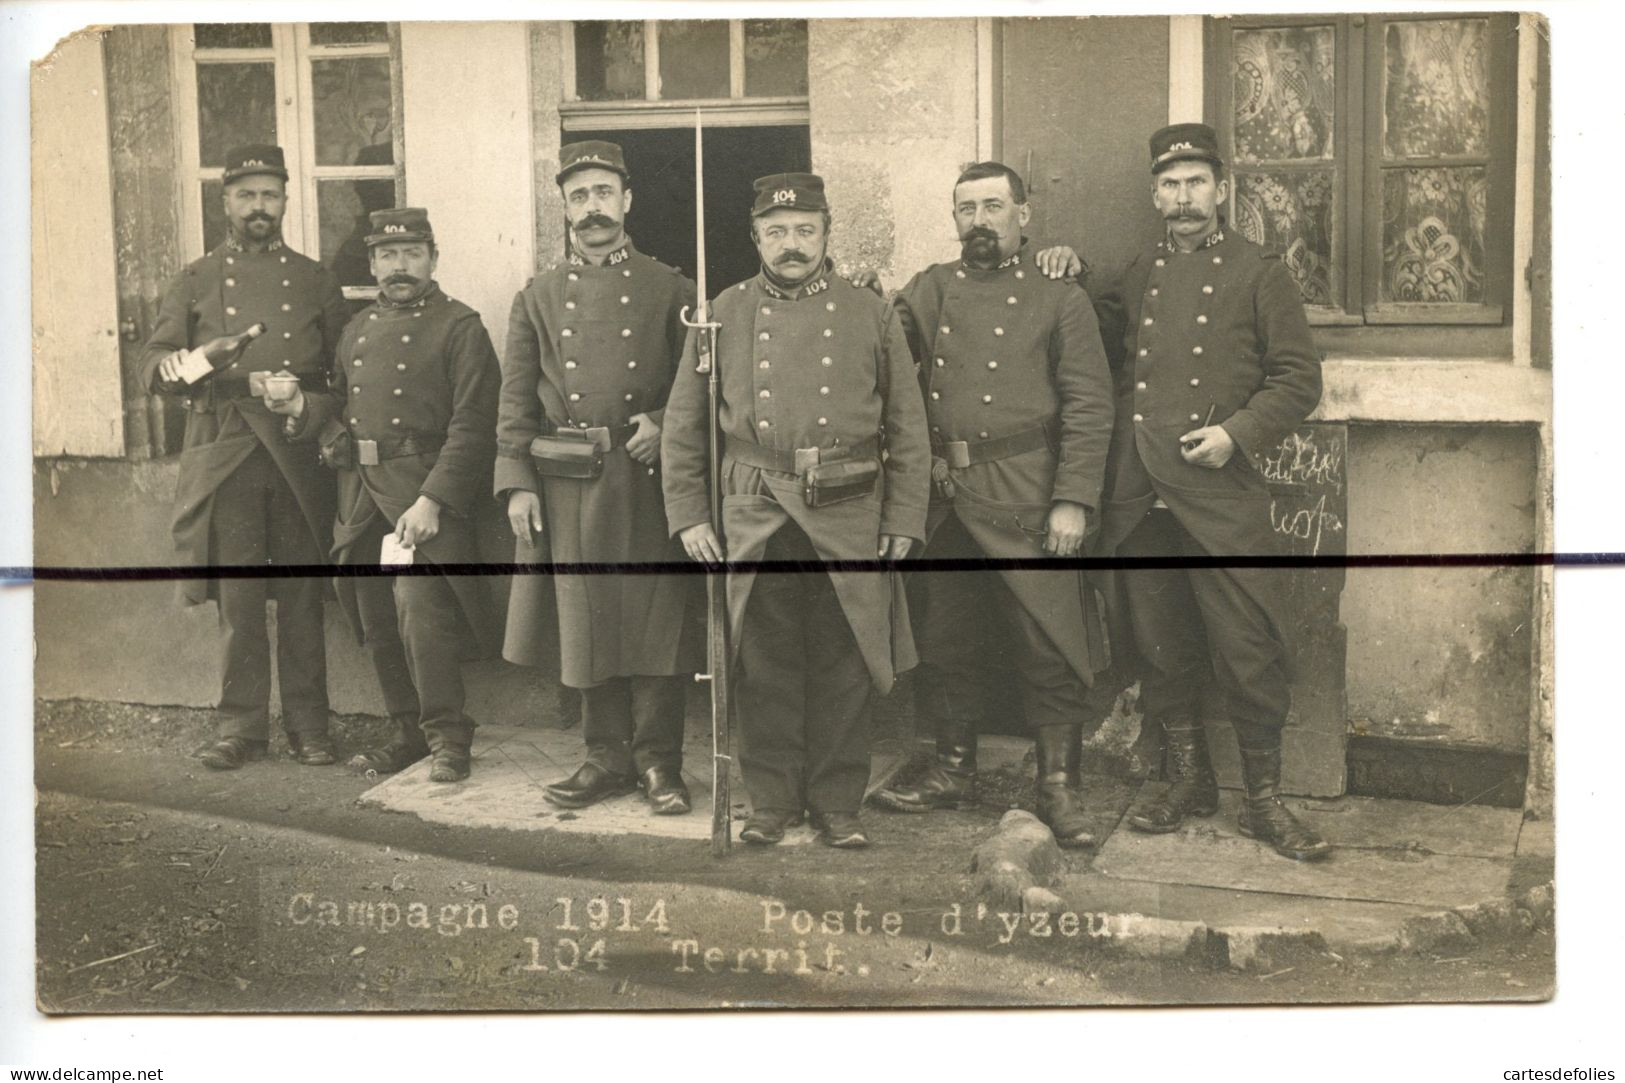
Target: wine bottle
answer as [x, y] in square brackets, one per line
[216, 354]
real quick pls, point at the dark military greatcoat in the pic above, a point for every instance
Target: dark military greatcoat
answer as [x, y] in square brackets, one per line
[591, 346]
[224, 293]
[1002, 351]
[823, 365]
[424, 372]
[1218, 332]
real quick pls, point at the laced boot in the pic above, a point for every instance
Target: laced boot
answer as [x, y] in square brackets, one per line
[1059, 751]
[408, 747]
[949, 782]
[1195, 792]
[1265, 818]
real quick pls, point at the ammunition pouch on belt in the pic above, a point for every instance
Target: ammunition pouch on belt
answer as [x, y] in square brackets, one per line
[828, 475]
[845, 479]
[577, 453]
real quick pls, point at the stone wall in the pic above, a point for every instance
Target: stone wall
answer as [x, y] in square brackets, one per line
[888, 142]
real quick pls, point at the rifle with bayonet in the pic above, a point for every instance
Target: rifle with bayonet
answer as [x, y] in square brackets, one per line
[716, 589]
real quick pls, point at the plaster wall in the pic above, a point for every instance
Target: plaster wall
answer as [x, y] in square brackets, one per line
[134, 642]
[1441, 655]
[468, 125]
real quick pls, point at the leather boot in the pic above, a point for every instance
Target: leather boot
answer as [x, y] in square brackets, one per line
[1195, 792]
[408, 747]
[589, 785]
[949, 782]
[1059, 752]
[1265, 818]
[230, 753]
[451, 756]
[312, 749]
[665, 791]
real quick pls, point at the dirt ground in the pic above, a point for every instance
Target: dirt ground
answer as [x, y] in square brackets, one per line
[163, 886]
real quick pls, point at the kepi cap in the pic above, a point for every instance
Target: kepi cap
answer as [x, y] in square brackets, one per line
[1178, 142]
[591, 154]
[789, 191]
[400, 224]
[255, 158]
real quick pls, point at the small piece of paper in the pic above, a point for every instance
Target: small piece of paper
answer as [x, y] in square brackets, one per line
[194, 366]
[392, 552]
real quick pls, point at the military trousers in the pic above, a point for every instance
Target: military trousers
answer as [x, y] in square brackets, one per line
[965, 642]
[631, 724]
[1189, 622]
[256, 521]
[412, 626]
[802, 691]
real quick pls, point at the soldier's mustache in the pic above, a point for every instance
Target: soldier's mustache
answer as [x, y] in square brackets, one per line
[979, 233]
[792, 257]
[1184, 213]
[595, 221]
[260, 216]
[400, 280]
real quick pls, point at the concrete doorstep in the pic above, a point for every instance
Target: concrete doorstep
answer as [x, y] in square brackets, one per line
[512, 764]
[1405, 876]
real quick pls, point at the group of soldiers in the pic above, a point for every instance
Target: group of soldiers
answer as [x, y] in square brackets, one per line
[989, 410]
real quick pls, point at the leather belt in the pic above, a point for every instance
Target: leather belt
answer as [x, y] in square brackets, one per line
[797, 461]
[373, 452]
[236, 387]
[963, 453]
[605, 436]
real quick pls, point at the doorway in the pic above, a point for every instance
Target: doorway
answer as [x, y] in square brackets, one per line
[661, 162]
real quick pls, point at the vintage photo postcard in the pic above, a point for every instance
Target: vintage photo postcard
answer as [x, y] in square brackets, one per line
[793, 512]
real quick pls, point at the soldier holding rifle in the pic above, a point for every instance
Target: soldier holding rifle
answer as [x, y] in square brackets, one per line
[814, 380]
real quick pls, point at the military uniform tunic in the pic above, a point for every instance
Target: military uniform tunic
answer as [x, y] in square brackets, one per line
[592, 346]
[245, 495]
[420, 381]
[1004, 351]
[1219, 332]
[224, 293]
[819, 365]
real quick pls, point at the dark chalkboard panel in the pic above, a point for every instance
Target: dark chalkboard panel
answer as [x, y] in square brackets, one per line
[1308, 480]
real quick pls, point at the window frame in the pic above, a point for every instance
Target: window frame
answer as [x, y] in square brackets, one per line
[291, 55]
[1358, 162]
[653, 111]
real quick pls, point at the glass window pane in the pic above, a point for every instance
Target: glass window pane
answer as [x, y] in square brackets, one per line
[1294, 213]
[1433, 235]
[349, 33]
[694, 59]
[775, 58]
[232, 35]
[1436, 91]
[236, 104]
[342, 207]
[609, 61]
[214, 216]
[351, 103]
[1285, 93]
